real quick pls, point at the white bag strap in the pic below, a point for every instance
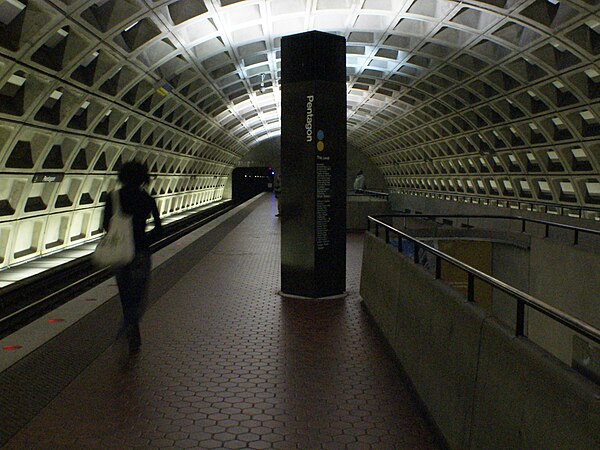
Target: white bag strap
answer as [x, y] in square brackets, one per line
[116, 202]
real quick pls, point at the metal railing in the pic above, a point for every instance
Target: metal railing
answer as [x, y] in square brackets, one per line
[509, 203]
[369, 193]
[577, 231]
[523, 299]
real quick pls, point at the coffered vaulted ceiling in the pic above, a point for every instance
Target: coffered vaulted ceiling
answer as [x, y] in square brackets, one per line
[491, 99]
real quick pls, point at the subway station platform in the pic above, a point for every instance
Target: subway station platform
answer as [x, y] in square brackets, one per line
[225, 361]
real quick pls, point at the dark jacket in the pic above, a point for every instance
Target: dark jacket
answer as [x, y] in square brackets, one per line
[140, 205]
[277, 186]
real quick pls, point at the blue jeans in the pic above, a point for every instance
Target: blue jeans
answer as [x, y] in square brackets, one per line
[132, 281]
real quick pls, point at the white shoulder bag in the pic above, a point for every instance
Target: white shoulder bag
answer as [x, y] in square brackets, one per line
[117, 247]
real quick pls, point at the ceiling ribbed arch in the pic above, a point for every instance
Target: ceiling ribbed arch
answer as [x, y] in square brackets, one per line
[493, 99]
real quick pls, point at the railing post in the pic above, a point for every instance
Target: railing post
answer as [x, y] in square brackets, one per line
[520, 330]
[576, 238]
[387, 235]
[399, 242]
[547, 230]
[470, 287]
[416, 253]
[438, 267]
[376, 229]
[368, 224]
[522, 225]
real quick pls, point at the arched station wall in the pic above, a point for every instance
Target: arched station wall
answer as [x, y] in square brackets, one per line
[493, 99]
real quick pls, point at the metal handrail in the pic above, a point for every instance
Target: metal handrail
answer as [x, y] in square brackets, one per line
[518, 201]
[576, 229]
[369, 193]
[495, 216]
[522, 298]
[375, 193]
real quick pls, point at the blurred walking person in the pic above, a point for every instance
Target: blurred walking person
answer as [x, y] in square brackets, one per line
[133, 278]
[277, 191]
[359, 182]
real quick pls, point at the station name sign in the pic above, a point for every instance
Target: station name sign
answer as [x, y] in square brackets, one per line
[48, 177]
[309, 117]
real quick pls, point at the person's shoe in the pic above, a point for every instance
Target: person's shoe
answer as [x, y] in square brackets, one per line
[134, 338]
[134, 348]
[134, 345]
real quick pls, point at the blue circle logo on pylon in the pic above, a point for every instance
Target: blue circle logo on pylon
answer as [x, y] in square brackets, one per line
[320, 143]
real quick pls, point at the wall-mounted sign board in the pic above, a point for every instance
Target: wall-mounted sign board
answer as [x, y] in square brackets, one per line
[48, 177]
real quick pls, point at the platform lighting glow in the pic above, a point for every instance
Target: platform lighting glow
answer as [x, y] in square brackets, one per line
[262, 83]
[86, 61]
[16, 80]
[593, 189]
[567, 187]
[26, 273]
[592, 73]
[131, 26]
[263, 137]
[10, 10]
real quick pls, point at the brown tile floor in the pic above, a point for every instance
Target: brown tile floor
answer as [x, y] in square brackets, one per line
[226, 363]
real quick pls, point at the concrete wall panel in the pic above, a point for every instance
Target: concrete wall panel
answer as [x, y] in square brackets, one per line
[380, 283]
[437, 341]
[359, 207]
[567, 278]
[527, 399]
[483, 387]
[510, 264]
[436, 338]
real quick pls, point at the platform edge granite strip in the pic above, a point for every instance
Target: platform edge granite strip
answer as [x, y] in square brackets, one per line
[29, 383]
